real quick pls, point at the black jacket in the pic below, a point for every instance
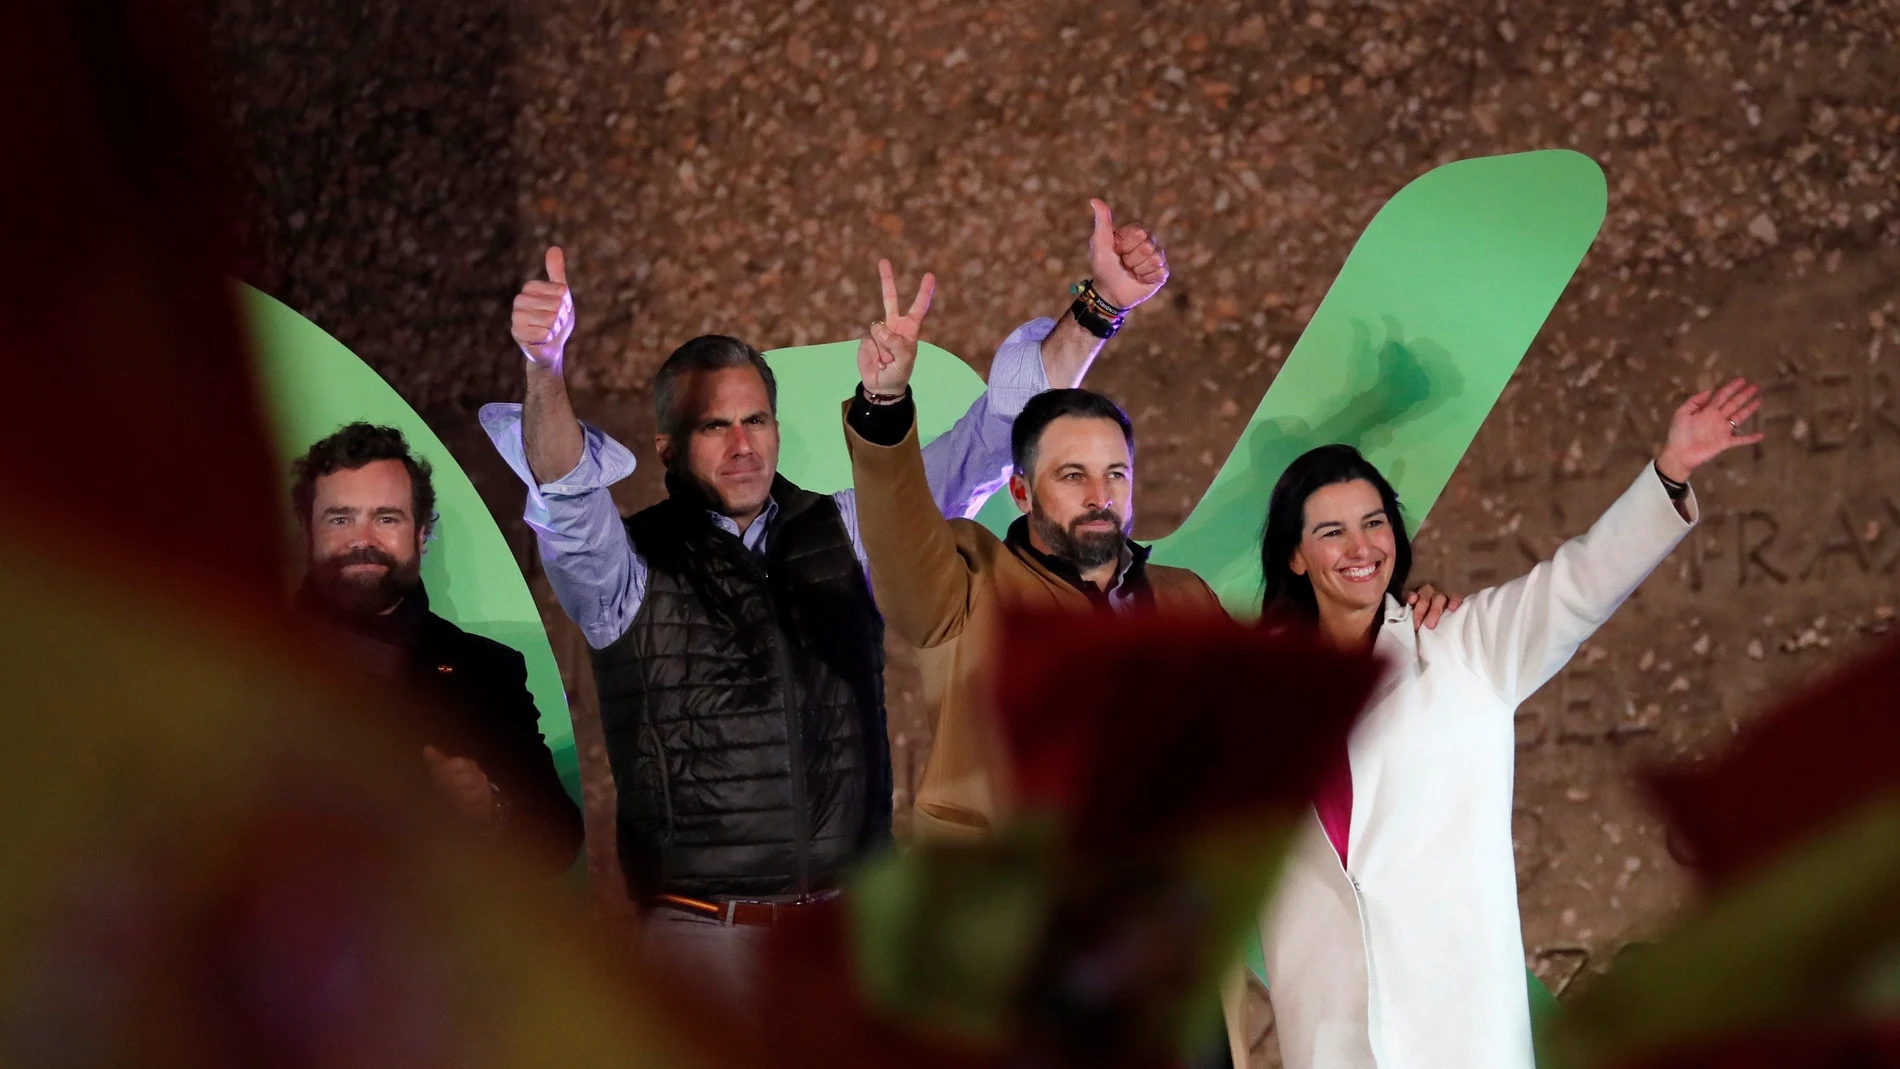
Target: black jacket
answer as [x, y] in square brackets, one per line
[744, 706]
[481, 709]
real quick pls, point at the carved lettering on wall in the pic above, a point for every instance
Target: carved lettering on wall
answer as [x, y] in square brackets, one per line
[1797, 549]
[1755, 531]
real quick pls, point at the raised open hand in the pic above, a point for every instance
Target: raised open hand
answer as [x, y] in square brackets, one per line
[1128, 264]
[888, 353]
[1707, 425]
[544, 314]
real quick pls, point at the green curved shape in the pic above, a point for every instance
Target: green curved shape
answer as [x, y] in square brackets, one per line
[312, 385]
[813, 382]
[1432, 312]
[1430, 315]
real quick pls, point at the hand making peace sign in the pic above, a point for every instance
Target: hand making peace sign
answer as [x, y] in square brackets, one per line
[888, 353]
[1706, 425]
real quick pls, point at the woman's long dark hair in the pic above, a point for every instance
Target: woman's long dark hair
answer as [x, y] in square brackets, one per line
[1290, 594]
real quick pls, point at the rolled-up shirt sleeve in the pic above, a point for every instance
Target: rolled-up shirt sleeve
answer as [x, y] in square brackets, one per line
[971, 461]
[593, 569]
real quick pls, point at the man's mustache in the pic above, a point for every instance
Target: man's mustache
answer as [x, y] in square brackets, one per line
[1096, 516]
[363, 555]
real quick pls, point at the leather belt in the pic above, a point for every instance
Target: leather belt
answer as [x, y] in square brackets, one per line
[741, 911]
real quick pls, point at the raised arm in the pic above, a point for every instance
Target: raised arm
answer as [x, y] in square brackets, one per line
[567, 469]
[543, 321]
[971, 461]
[1519, 634]
[1126, 267]
[923, 582]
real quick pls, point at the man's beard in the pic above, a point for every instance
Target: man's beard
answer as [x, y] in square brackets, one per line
[366, 596]
[1084, 549]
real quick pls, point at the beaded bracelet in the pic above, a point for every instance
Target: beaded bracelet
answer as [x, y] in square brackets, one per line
[1095, 314]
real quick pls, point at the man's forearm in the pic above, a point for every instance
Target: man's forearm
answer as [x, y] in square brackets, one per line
[1067, 352]
[550, 433]
[921, 579]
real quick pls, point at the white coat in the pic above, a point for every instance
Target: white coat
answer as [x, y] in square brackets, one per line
[1410, 956]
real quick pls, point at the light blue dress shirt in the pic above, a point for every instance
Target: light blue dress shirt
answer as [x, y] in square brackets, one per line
[601, 581]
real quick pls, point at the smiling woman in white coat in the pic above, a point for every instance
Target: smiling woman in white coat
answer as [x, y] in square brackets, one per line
[1392, 939]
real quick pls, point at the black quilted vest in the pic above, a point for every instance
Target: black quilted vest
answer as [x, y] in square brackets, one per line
[744, 706]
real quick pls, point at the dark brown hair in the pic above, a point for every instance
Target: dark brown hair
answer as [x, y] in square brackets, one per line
[1286, 519]
[1051, 405]
[708, 352]
[355, 446]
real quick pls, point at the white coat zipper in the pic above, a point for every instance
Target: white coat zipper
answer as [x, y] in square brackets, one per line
[1365, 939]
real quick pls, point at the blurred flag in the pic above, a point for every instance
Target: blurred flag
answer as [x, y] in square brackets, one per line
[1159, 765]
[1796, 958]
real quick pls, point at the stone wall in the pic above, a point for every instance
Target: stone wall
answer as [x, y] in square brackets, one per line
[719, 165]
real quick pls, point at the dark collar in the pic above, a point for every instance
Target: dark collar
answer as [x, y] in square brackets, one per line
[1134, 577]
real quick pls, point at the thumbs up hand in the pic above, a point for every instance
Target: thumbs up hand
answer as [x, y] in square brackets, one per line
[544, 314]
[1128, 264]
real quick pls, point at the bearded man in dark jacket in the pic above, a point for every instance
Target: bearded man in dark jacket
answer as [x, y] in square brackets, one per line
[367, 505]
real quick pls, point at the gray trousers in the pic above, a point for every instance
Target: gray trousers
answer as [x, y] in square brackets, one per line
[719, 959]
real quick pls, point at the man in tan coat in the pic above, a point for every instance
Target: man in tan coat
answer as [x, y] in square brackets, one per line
[951, 583]
[944, 581]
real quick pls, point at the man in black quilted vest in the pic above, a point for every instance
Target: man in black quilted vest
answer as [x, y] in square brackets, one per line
[738, 652]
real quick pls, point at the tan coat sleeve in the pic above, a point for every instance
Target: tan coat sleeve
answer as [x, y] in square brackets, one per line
[923, 582]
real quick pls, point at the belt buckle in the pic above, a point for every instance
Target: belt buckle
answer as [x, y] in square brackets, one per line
[730, 916]
[728, 911]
